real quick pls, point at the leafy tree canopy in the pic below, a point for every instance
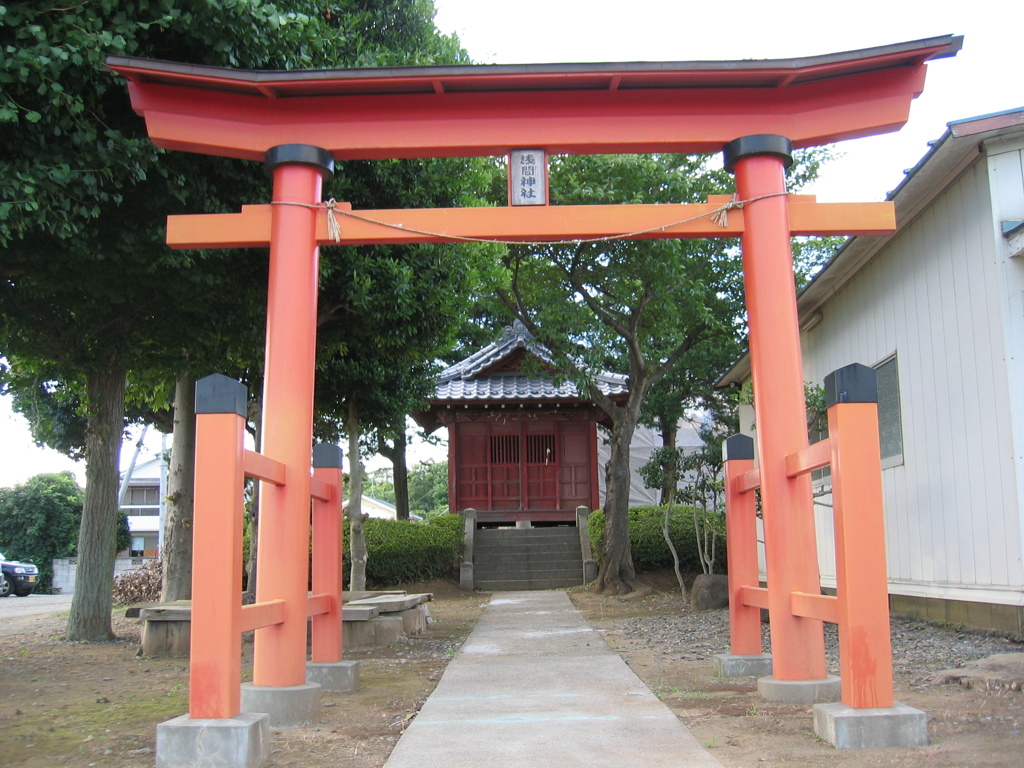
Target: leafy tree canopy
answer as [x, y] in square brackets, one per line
[39, 521]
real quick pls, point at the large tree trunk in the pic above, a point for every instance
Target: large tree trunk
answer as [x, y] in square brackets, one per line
[400, 471]
[92, 600]
[177, 551]
[669, 434]
[354, 510]
[617, 575]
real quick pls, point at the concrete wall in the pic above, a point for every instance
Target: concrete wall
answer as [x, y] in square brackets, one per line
[64, 569]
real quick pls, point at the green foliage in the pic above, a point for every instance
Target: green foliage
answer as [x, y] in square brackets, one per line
[400, 552]
[123, 538]
[814, 403]
[647, 542]
[428, 488]
[378, 485]
[39, 521]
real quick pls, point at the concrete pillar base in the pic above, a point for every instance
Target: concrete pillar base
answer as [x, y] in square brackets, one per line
[334, 677]
[242, 741]
[799, 691]
[289, 706]
[846, 728]
[466, 576]
[735, 665]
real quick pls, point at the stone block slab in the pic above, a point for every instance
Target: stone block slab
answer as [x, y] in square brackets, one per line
[825, 690]
[334, 676]
[846, 728]
[392, 603]
[359, 612]
[375, 633]
[242, 741]
[288, 706]
[751, 665]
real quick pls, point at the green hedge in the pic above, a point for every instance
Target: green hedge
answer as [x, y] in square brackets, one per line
[648, 543]
[399, 552]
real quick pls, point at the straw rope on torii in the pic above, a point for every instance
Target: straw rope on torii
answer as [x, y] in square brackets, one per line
[719, 216]
[540, 225]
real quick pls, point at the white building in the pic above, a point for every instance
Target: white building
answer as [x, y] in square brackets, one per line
[143, 499]
[937, 308]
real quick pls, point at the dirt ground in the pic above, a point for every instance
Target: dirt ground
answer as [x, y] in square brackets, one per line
[97, 706]
[967, 727]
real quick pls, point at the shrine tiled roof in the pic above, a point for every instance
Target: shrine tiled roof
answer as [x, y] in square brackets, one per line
[480, 376]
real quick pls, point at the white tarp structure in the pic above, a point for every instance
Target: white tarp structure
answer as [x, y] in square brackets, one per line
[645, 441]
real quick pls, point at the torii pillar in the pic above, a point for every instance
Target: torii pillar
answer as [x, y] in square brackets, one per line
[279, 684]
[798, 645]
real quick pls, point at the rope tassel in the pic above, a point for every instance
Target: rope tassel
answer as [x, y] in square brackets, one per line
[333, 225]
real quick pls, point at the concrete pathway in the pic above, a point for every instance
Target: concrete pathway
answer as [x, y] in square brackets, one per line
[535, 686]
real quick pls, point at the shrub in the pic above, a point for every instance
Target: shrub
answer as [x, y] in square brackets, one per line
[647, 542]
[400, 551]
[139, 586]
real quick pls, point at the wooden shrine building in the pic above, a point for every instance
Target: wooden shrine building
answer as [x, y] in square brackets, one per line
[521, 444]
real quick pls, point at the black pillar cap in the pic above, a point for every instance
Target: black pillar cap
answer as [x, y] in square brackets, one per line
[738, 447]
[758, 144]
[854, 383]
[298, 154]
[328, 455]
[219, 394]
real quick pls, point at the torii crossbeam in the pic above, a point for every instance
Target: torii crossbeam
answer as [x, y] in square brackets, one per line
[298, 123]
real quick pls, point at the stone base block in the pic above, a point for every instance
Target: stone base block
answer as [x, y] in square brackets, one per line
[732, 665]
[375, 633]
[334, 677]
[846, 728]
[824, 690]
[415, 620]
[466, 576]
[242, 741]
[289, 706]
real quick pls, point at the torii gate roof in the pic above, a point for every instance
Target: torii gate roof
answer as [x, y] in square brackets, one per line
[476, 110]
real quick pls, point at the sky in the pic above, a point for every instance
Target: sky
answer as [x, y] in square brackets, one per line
[983, 78]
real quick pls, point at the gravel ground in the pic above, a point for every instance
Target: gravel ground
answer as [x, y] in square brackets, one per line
[918, 648]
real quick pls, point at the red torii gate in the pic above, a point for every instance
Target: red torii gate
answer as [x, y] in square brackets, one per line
[298, 123]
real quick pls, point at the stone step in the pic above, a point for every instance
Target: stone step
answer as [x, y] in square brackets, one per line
[523, 551]
[498, 566]
[533, 534]
[508, 585]
[527, 558]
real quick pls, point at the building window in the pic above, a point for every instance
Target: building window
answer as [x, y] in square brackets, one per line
[890, 429]
[143, 495]
[138, 548]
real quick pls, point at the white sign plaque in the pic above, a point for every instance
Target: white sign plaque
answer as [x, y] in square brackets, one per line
[528, 177]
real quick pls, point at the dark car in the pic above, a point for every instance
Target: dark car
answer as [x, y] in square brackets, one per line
[19, 578]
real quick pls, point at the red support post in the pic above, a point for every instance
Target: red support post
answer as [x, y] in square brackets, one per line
[741, 554]
[862, 588]
[298, 172]
[328, 549]
[215, 670]
[759, 163]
